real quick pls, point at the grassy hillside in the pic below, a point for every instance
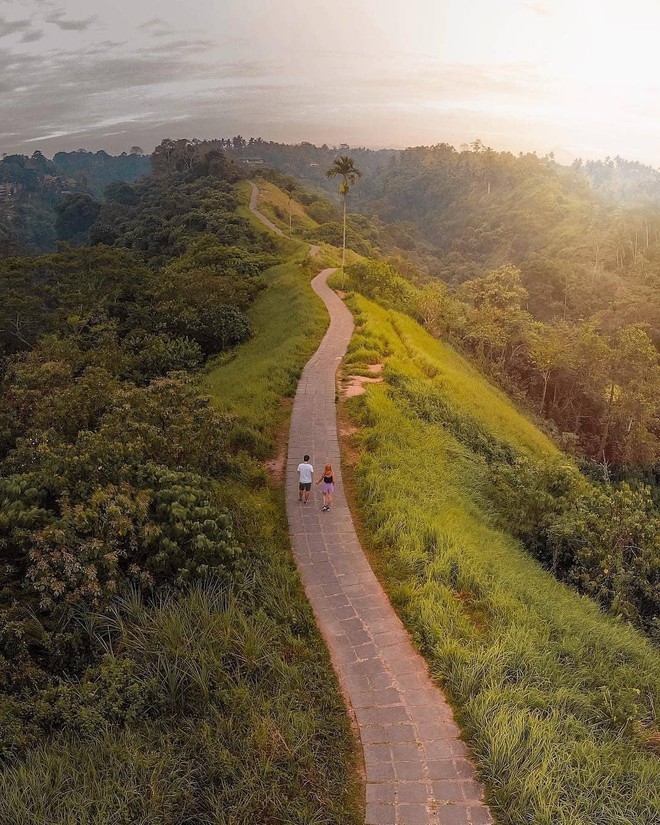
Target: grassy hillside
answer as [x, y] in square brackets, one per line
[275, 204]
[558, 701]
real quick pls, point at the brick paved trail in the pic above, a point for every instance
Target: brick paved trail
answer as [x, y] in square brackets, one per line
[417, 769]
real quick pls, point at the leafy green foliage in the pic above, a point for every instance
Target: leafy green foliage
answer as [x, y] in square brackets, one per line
[157, 354]
[601, 538]
[598, 389]
[97, 170]
[608, 539]
[167, 214]
[382, 283]
[551, 288]
[75, 216]
[331, 232]
[49, 200]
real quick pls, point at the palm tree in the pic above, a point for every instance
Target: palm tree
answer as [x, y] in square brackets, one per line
[343, 166]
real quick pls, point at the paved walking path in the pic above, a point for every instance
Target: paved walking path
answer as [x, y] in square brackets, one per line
[254, 195]
[417, 769]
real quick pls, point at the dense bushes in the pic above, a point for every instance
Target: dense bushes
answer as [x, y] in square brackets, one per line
[157, 354]
[169, 213]
[381, 282]
[331, 232]
[608, 543]
[129, 498]
[92, 294]
[158, 659]
[597, 387]
[111, 461]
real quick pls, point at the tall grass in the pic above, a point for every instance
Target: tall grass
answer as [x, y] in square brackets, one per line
[274, 203]
[246, 730]
[558, 700]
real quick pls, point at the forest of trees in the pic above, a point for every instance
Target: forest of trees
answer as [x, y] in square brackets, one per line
[599, 529]
[46, 201]
[548, 275]
[152, 626]
[111, 461]
[553, 289]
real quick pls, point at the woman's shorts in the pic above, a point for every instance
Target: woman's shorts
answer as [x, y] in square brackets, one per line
[327, 488]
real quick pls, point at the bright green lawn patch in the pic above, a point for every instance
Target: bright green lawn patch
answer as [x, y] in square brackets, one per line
[558, 701]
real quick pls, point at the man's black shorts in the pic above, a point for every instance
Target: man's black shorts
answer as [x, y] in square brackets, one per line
[305, 486]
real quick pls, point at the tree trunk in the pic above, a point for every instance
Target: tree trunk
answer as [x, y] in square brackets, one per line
[606, 431]
[546, 378]
[343, 246]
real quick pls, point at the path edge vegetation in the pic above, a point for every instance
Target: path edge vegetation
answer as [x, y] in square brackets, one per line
[519, 788]
[257, 382]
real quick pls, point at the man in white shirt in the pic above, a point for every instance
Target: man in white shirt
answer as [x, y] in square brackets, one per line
[306, 473]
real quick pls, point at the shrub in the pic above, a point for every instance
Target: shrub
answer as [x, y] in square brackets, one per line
[323, 212]
[609, 539]
[214, 327]
[154, 355]
[382, 283]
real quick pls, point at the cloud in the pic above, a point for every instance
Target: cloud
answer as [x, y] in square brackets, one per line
[156, 27]
[247, 69]
[32, 36]
[8, 27]
[81, 93]
[183, 47]
[169, 87]
[57, 19]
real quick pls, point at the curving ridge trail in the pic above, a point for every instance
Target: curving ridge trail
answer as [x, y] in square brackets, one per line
[417, 768]
[254, 195]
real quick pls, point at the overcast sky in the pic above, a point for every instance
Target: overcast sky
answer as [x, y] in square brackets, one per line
[580, 77]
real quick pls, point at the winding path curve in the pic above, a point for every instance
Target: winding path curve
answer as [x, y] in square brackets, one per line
[417, 768]
[254, 196]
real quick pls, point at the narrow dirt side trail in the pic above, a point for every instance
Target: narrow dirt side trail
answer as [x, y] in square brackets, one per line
[417, 768]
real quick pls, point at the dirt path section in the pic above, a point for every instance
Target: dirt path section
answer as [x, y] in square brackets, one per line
[417, 768]
[254, 196]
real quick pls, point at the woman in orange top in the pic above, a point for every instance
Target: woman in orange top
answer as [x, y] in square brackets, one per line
[328, 479]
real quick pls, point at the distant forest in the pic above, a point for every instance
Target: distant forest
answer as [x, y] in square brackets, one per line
[45, 201]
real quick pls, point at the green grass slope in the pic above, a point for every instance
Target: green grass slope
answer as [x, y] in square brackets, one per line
[558, 701]
[288, 322]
